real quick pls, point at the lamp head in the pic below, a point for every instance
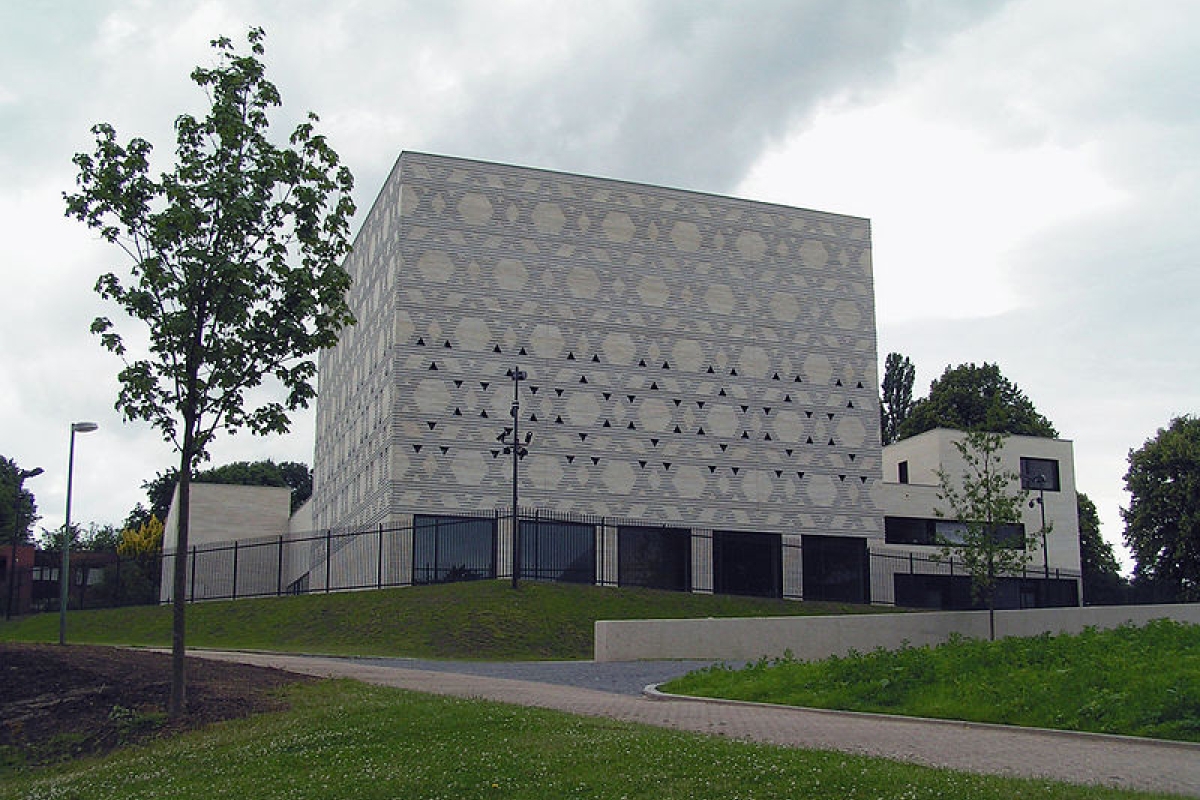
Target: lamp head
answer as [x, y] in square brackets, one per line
[83, 427]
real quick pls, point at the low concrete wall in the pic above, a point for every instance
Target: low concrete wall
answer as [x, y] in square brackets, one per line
[812, 638]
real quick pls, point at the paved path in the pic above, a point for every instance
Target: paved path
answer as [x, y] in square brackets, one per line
[1077, 758]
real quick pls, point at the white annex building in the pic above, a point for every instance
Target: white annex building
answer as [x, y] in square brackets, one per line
[697, 375]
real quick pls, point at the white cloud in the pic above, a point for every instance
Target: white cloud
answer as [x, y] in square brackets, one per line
[1029, 168]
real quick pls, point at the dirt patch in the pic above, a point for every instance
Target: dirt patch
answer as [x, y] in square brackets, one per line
[58, 703]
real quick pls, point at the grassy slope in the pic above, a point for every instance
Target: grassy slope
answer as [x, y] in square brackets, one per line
[347, 741]
[1136, 681]
[481, 620]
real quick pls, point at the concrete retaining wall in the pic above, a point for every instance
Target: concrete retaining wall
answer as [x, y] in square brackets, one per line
[812, 638]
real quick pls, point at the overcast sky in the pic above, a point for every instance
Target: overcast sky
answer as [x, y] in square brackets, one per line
[1031, 170]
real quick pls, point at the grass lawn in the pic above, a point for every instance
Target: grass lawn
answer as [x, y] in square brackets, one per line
[483, 620]
[346, 741]
[1134, 681]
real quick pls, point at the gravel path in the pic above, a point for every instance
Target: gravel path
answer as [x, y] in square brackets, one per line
[991, 749]
[619, 677]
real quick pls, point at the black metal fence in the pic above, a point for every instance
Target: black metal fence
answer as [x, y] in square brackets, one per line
[553, 547]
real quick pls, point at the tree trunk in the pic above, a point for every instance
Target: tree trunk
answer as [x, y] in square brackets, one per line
[177, 706]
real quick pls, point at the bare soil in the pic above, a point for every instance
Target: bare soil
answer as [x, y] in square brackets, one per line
[58, 703]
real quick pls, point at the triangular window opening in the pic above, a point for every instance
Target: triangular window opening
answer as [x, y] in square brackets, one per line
[570, 356]
[421, 342]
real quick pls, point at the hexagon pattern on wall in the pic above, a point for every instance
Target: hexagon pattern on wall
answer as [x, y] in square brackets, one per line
[703, 357]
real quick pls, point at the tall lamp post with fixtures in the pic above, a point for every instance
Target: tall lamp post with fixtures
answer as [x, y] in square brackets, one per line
[18, 525]
[64, 576]
[1040, 482]
[518, 450]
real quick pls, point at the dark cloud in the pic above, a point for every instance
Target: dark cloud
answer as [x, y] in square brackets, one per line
[684, 94]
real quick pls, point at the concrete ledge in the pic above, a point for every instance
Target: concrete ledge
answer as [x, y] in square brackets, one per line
[812, 638]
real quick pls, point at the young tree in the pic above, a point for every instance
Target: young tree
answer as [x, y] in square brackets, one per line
[1102, 580]
[987, 502]
[236, 271]
[897, 401]
[971, 398]
[1162, 523]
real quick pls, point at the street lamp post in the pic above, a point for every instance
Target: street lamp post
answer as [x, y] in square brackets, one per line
[64, 572]
[518, 451]
[17, 526]
[1040, 482]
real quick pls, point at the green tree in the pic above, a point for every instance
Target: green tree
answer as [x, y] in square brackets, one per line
[1103, 583]
[897, 400]
[292, 474]
[236, 271]
[984, 500]
[1162, 523]
[971, 398]
[18, 509]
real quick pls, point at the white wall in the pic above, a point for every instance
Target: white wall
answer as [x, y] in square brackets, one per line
[814, 638]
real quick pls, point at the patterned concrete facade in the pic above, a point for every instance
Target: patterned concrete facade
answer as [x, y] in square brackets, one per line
[691, 358]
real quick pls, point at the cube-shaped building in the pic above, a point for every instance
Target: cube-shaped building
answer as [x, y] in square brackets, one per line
[700, 381]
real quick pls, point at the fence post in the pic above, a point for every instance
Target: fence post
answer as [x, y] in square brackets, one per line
[328, 556]
[235, 566]
[193, 597]
[279, 570]
[379, 565]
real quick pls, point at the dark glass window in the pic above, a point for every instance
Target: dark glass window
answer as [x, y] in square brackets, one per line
[748, 563]
[903, 470]
[448, 549]
[558, 551]
[914, 530]
[1039, 473]
[657, 558]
